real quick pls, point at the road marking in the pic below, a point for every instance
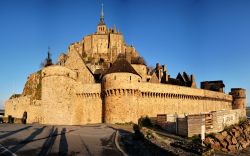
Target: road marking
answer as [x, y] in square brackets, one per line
[5, 151]
[117, 133]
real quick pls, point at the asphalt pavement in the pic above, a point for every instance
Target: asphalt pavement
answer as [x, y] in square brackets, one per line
[37, 139]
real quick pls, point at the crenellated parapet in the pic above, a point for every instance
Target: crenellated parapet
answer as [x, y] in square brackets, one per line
[88, 95]
[180, 96]
[122, 92]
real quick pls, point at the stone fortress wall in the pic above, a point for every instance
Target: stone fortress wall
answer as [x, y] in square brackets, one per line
[68, 93]
[89, 104]
[65, 98]
[127, 98]
[122, 97]
[16, 106]
[70, 97]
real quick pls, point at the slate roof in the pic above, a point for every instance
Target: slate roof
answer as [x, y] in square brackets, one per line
[121, 65]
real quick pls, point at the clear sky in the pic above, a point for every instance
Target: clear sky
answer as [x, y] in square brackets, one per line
[208, 38]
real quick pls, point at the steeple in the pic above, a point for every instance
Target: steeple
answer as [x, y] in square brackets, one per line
[101, 28]
[102, 16]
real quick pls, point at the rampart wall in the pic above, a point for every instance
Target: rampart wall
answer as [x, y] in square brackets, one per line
[120, 98]
[127, 99]
[170, 99]
[16, 107]
[88, 104]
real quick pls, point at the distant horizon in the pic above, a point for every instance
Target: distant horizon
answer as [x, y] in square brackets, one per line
[209, 39]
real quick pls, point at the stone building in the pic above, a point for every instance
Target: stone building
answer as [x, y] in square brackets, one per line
[213, 85]
[102, 79]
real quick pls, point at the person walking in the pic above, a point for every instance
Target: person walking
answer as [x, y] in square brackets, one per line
[24, 117]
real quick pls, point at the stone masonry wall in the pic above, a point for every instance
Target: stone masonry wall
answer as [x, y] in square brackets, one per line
[141, 70]
[58, 92]
[88, 104]
[170, 99]
[127, 99]
[76, 63]
[121, 97]
[16, 107]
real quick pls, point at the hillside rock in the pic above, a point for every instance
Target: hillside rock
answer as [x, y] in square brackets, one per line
[33, 86]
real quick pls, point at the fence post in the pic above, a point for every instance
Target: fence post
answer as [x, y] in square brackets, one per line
[203, 131]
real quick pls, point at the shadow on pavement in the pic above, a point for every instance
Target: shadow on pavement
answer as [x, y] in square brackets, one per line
[13, 132]
[47, 146]
[27, 140]
[63, 147]
[86, 147]
[109, 147]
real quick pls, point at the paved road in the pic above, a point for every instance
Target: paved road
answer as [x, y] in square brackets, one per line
[36, 139]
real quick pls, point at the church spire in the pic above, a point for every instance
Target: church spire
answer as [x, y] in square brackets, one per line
[101, 28]
[102, 16]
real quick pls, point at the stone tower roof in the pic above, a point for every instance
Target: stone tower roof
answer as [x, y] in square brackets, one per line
[121, 65]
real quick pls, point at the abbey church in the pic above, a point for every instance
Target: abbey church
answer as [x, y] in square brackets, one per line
[102, 79]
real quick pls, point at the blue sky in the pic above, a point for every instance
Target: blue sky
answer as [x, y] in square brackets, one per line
[208, 38]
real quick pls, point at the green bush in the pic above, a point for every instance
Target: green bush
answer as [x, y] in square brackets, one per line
[196, 139]
[242, 120]
[145, 122]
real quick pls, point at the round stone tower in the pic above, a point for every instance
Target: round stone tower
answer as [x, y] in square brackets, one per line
[120, 89]
[58, 85]
[239, 99]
